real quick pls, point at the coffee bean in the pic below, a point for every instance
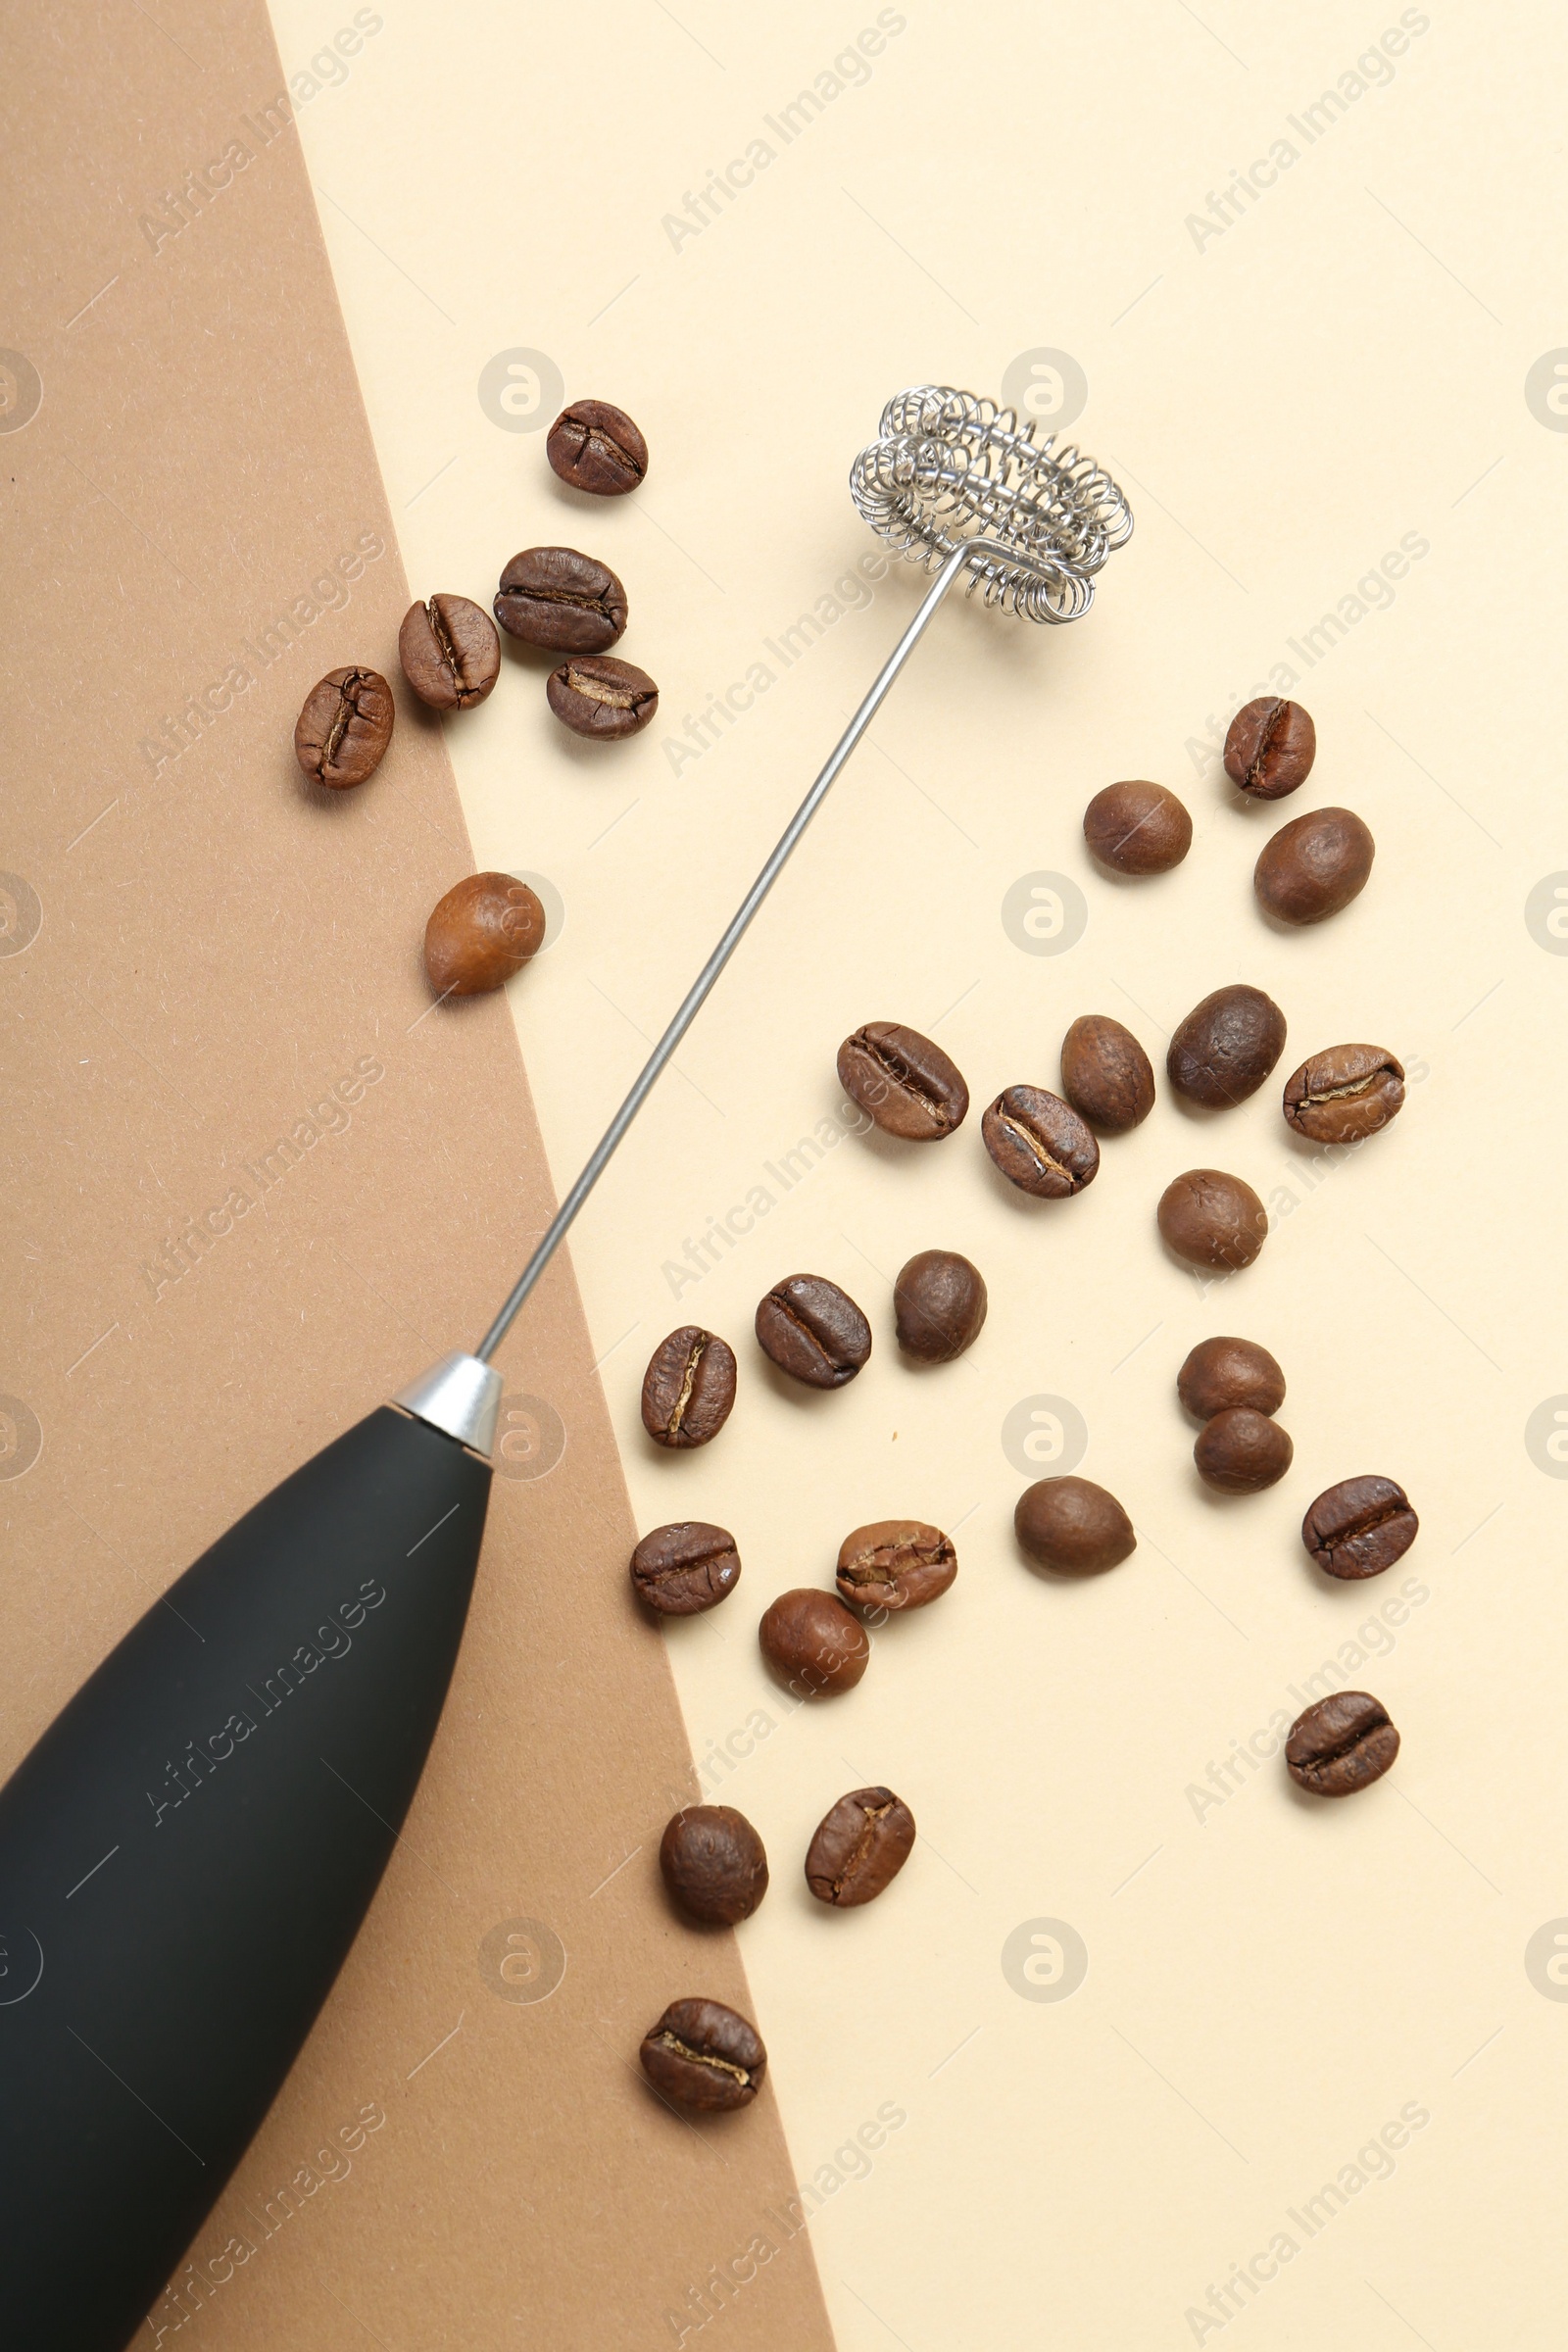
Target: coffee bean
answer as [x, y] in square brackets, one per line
[1270, 748]
[1360, 1527]
[1073, 1527]
[813, 1643]
[687, 1388]
[895, 1564]
[1226, 1046]
[1211, 1219]
[595, 446]
[450, 652]
[1106, 1074]
[1137, 828]
[686, 1567]
[703, 2055]
[1241, 1451]
[1342, 1745]
[907, 1084]
[345, 727]
[596, 696]
[813, 1330]
[714, 1863]
[938, 1303]
[860, 1847]
[1343, 1094]
[1313, 866]
[556, 596]
[1039, 1142]
[1222, 1373]
[487, 927]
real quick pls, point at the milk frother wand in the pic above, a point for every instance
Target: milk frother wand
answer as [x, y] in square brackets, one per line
[188, 1851]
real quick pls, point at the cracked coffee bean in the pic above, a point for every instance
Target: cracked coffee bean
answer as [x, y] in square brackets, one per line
[895, 1564]
[714, 1863]
[703, 2055]
[686, 1567]
[1137, 828]
[1039, 1142]
[345, 727]
[1226, 1046]
[1270, 748]
[1073, 1527]
[487, 927]
[450, 652]
[1106, 1074]
[1343, 1094]
[596, 696]
[904, 1082]
[1360, 1527]
[860, 1847]
[1314, 866]
[939, 1304]
[1240, 1451]
[1211, 1219]
[1220, 1374]
[1342, 1745]
[813, 1643]
[555, 597]
[687, 1388]
[595, 446]
[813, 1330]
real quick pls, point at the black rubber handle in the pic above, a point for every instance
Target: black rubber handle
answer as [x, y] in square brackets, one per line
[187, 1855]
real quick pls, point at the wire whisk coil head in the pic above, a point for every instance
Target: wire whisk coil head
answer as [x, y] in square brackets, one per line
[947, 467]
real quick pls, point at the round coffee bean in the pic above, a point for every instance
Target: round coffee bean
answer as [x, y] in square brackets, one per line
[1222, 1373]
[1360, 1527]
[1211, 1219]
[813, 1330]
[813, 1643]
[1241, 1451]
[595, 446]
[344, 728]
[1270, 748]
[1039, 1142]
[553, 596]
[450, 652]
[596, 696]
[687, 1388]
[1073, 1527]
[1343, 1094]
[703, 2055]
[895, 1564]
[860, 1847]
[938, 1303]
[1226, 1046]
[907, 1084]
[487, 927]
[1313, 866]
[714, 1863]
[1344, 1744]
[686, 1567]
[1137, 828]
[1106, 1074]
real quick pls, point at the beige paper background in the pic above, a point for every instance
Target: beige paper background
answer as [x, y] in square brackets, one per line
[1270, 1985]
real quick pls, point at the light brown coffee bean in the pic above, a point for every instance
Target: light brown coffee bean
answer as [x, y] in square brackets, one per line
[596, 696]
[595, 446]
[345, 727]
[1342, 1745]
[1137, 828]
[1220, 1373]
[1106, 1074]
[939, 1305]
[908, 1085]
[687, 1388]
[813, 1330]
[450, 652]
[895, 1564]
[1270, 748]
[812, 1643]
[1212, 1219]
[1313, 866]
[1240, 1451]
[860, 1847]
[556, 596]
[1343, 1094]
[714, 1863]
[1226, 1046]
[686, 1567]
[487, 927]
[1073, 1527]
[705, 2056]
[1039, 1142]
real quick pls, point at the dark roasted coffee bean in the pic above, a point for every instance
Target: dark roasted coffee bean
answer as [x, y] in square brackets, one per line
[1073, 1527]
[686, 1567]
[860, 1847]
[938, 1303]
[907, 1084]
[595, 446]
[1222, 1373]
[450, 652]
[1211, 1219]
[554, 595]
[813, 1643]
[1226, 1046]
[687, 1388]
[1241, 1451]
[714, 1863]
[1342, 1745]
[487, 927]
[1360, 1527]
[344, 728]
[895, 1564]
[1270, 748]
[1343, 1094]
[813, 1330]
[1313, 866]
[1106, 1074]
[1039, 1142]
[1137, 828]
[596, 696]
[703, 2055]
